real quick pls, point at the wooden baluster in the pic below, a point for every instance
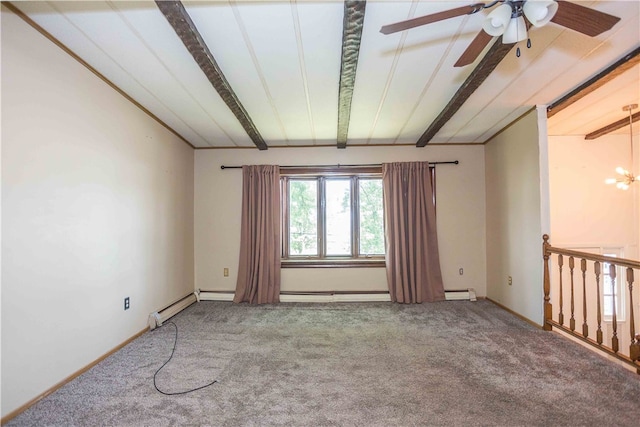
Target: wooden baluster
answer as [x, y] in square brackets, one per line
[560, 315]
[572, 321]
[634, 349]
[596, 267]
[614, 319]
[583, 267]
[546, 283]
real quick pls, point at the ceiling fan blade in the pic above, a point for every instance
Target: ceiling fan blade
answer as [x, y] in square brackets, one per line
[583, 19]
[473, 50]
[428, 19]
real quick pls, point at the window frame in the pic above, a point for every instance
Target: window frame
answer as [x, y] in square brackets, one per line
[321, 175]
[303, 261]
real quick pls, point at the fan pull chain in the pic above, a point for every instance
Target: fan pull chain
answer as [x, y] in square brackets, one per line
[528, 47]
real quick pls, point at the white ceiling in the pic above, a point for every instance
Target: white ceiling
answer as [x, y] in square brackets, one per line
[282, 59]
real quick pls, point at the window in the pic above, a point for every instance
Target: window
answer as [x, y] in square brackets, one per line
[612, 294]
[332, 217]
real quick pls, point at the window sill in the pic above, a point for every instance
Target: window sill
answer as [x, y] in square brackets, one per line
[333, 263]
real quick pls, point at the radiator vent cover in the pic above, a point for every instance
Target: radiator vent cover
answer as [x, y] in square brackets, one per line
[457, 295]
[157, 318]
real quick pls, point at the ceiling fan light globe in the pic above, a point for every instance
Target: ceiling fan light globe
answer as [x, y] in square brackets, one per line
[497, 21]
[516, 31]
[610, 181]
[539, 12]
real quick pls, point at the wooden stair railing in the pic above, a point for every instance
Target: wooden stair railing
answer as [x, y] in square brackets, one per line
[591, 299]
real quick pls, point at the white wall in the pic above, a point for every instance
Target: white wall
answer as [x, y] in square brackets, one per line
[515, 216]
[460, 210]
[97, 203]
[585, 212]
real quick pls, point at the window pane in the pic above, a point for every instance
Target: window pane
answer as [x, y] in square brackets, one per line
[607, 288]
[608, 305]
[303, 217]
[338, 216]
[371, 217]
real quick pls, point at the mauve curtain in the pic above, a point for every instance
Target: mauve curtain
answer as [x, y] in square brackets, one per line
[259, 266]
[413, 263]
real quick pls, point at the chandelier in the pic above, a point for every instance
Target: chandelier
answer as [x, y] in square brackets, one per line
[627, 178]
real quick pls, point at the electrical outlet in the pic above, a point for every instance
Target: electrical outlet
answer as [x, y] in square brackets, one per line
[461, 271]
[510, 281]
[225, 272]
[126, 303]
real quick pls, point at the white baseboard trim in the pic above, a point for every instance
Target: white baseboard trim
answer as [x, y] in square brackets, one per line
[458, 295]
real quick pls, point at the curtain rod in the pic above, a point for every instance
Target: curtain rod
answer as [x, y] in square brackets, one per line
[454, 162]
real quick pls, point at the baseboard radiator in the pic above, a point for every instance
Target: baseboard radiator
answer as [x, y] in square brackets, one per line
[455, 295]
[157, 318]
[461, 295]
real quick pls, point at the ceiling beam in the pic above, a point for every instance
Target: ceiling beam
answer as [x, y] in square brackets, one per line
[612, 127]
[625, 63]
[179, 19]
[496, 53]
[351, 36]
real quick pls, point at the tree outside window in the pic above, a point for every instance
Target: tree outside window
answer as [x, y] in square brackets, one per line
[333, 218]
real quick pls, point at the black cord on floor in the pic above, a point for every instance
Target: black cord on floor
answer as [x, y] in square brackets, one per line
[175, 342]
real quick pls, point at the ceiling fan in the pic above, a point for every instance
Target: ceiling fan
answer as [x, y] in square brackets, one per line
[512, 19]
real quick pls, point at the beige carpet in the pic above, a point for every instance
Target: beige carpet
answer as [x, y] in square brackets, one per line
[372, 364]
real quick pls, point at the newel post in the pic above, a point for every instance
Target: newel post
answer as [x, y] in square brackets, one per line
[547, 283]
